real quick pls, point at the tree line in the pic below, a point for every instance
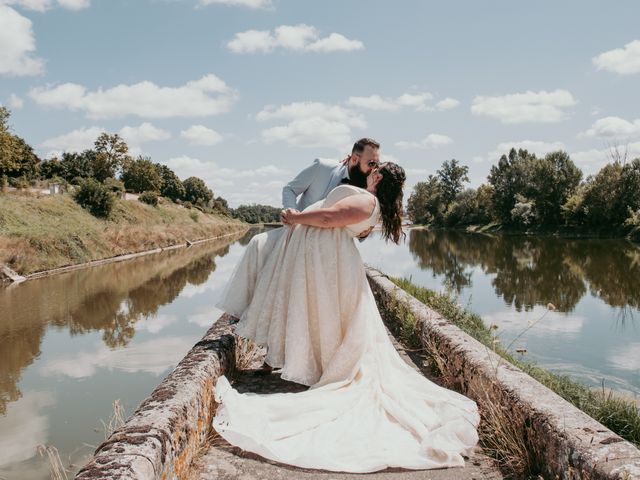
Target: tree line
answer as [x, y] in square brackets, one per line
[524, 191]
[106, 170]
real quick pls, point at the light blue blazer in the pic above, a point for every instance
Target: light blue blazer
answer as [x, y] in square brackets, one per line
[313, 183]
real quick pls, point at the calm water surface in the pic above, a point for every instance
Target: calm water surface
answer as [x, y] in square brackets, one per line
[71, 344]
[594, 334]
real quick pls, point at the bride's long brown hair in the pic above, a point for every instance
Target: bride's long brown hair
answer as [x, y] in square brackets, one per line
[389, 194]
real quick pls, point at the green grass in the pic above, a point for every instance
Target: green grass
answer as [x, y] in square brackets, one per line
[620, 415]
[40, 232]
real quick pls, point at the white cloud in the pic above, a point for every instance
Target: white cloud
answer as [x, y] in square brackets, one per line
[238, 3]
[258, 185]
[84, 138]
[74, 141]
[145, 99]
[44, 5]
[74, 4]
[153, 356]
[614, 127]
[447, 104]
[542, 106]
[144, 132]
[17, 45]
[591, 161]
[15, 102]
[433, 140]
[624, 61]
[23, 427]
[300, 38]
[201, 135]
[546, 323]
[417, 101]
[627, 357]
[311, 124]
[540, 149]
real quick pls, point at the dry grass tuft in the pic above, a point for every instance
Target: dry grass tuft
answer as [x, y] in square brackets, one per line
[248, 354]
[58, 472]
[116, 420]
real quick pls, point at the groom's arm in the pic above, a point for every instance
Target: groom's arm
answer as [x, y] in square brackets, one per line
[299, 185]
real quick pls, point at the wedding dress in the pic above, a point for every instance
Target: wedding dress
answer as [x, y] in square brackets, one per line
[366, 409]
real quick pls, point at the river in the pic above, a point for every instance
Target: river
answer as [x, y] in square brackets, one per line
[74, 343]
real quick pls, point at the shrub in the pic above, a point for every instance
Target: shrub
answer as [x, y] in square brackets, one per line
[150, 198]
[194, 215]
[95, 197]
[115, 186]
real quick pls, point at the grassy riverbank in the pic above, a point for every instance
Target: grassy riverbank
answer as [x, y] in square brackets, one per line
[40, 232]
[619, 414]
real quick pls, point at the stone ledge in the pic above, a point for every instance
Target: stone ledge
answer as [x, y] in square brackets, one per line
[562, 440]
[162, 436]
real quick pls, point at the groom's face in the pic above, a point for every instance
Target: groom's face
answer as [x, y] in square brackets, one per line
[367, 160]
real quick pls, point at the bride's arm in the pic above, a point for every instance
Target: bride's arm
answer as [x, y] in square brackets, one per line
[350, 210]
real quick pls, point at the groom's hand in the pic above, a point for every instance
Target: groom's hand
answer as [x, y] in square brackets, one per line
[285, 215]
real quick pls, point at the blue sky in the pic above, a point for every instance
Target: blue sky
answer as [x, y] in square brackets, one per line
[245, 93]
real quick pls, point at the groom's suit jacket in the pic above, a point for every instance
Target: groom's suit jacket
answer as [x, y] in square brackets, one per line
[313, 183]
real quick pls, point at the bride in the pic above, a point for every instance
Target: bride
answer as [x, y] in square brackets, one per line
[310, 304]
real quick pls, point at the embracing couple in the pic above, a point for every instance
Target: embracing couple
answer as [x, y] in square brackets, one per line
[301, 291]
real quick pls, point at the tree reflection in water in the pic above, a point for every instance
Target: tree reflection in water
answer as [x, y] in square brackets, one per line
[110, 298]
[530, 271]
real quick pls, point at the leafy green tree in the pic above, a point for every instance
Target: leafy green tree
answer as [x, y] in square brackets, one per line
[196, 191]
[76, 166]
[141, 175]
[451, 176]
[51, 168]
[470, 207]
[171, 187]
[111, 153]
[17, 158]
[512, 175]
[425, 204]
[220, 205]
[555, 178]
[257, 213]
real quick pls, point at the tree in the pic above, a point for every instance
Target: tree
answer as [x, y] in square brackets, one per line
[76, 166]
[171, 187]
[425, 204]
[256, 213]
[510, 177]
[196, 191]
[51, 168]
[17, 158]
[111, 153]
[451, 176]
[555, 179]
[221, 206]
[141, 175]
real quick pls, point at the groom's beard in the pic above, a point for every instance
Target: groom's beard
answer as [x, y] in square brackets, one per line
[357, 177]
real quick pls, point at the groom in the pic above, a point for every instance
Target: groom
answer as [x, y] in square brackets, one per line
[317, 180]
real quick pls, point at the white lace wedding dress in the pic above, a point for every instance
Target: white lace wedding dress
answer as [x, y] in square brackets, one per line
[366, 409]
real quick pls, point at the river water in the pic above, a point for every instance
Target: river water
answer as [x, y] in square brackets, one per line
[72, 344]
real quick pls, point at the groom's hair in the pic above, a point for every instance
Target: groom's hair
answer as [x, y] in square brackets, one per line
[363, 142]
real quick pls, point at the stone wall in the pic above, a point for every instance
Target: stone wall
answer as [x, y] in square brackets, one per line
[162, 436]
[560, 440]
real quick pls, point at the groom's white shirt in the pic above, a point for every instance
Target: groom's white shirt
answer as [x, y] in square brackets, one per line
[313, 183]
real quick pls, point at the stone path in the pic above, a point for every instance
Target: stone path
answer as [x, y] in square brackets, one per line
[225, 462]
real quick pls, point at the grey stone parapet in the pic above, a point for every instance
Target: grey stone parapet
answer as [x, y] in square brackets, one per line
[563, 441]
[162, 436]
